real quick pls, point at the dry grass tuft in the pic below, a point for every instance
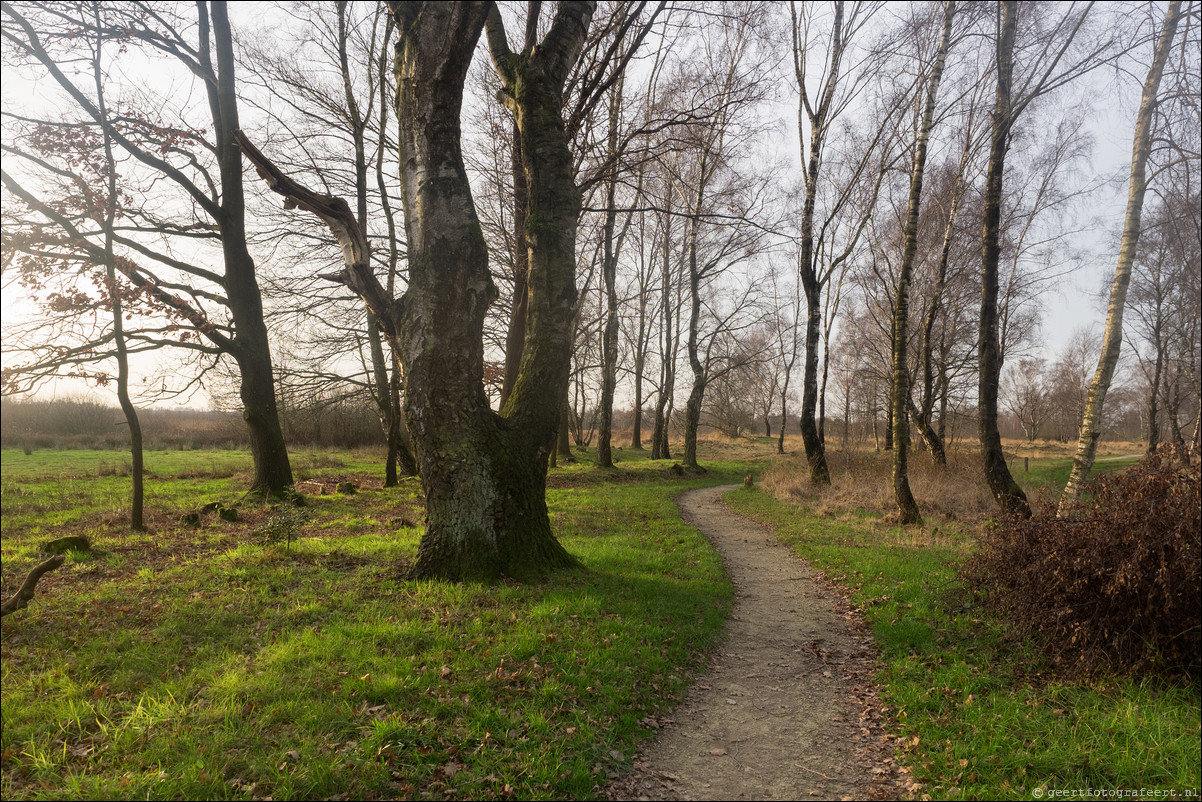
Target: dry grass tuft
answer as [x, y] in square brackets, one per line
[861, 483]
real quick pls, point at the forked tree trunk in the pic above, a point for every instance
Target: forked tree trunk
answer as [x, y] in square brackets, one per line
[483, 473]
[1112, 340]
[989, 361]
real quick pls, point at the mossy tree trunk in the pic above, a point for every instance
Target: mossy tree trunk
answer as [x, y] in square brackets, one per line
[483, 473]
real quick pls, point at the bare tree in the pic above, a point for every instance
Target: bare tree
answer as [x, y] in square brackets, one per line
[181, 157]
[1027, 396]
[313, 114]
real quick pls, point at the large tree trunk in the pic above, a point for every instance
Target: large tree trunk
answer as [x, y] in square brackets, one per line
[989, 361]
[483, 473]
[1112, 340]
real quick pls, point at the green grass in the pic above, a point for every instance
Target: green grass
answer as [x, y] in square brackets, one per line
[1050, 475]
[976, 715]
[205, 663]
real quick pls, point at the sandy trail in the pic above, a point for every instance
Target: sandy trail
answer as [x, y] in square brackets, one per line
[787, 709]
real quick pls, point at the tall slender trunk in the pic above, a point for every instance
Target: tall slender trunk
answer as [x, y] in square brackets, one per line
[989, 361]
[900, 397]
[640, 365]
[1112, 340]
[609, 274]
[663, 402]
[515, 336]
[889, 427]
[923, 414]
[640, 361]
[116, 307]
[563, 444]
[692, 416]
[784, 418]
[815, 448]
[846, 418]
[1154, 396]
[252, 351]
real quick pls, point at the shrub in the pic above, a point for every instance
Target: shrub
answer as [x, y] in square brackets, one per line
[1114, 585]
[282, 527]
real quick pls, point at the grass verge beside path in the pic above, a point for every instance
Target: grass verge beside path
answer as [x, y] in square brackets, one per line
[206, 664]
[974, 714]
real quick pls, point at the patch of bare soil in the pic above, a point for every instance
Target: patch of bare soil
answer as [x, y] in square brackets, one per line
[788, 709]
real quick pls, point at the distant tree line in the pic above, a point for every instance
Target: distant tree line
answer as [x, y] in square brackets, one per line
[74, 423]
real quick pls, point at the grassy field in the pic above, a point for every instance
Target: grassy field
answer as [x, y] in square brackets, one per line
[211, 662]
[207, 663]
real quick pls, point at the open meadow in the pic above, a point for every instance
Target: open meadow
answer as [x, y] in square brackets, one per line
[283, 654]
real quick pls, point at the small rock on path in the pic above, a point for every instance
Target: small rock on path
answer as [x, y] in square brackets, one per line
[787, 709]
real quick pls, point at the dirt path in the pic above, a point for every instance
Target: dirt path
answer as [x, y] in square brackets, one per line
[787, 710]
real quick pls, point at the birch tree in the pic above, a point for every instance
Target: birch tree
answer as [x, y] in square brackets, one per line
[1112, 339]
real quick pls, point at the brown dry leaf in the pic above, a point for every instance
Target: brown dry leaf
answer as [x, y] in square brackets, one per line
[445, 672]
[292, 754]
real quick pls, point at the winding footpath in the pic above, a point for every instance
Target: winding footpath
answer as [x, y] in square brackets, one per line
[787, 709]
